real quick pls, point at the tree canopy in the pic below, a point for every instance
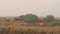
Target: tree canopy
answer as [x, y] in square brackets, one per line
[30, 18]
[50, 18]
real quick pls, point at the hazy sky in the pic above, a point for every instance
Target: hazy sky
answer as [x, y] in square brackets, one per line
[38, 7]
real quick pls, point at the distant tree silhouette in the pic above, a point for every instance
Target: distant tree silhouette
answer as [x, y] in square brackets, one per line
[50, 18]
[30, 18]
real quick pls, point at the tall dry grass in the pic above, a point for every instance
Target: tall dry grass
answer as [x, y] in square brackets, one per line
[13, 29]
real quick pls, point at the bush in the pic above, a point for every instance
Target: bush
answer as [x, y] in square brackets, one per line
[55, 24]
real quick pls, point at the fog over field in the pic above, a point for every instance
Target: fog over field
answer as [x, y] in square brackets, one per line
[38, 7]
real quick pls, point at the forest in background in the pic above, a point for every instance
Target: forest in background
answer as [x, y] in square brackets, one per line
[31, 19]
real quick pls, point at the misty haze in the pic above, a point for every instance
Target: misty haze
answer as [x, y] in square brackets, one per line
[38, 7]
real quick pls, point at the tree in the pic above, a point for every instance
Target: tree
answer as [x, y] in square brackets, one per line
[30, 18]
[50, 18]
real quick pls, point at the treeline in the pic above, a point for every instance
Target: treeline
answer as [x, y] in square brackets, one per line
[32, 19]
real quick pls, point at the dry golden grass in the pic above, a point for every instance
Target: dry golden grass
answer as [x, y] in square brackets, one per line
[34, 28]
[47, 29]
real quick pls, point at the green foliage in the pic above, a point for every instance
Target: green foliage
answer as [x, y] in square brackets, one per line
[50, 18]
[55, 24]
[29, 18]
